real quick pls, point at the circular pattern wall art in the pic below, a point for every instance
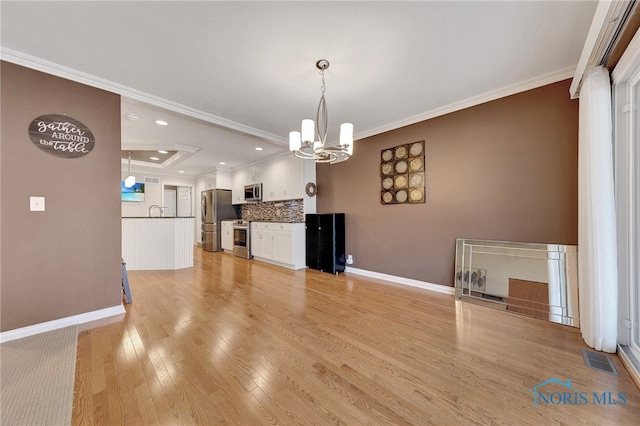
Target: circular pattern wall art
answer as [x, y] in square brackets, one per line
[402, 174]
[311, 189]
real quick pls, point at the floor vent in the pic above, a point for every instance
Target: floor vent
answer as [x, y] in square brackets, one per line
[599, 361]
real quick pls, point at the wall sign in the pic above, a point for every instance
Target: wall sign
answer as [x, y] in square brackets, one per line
[61, 136]
[402, 174]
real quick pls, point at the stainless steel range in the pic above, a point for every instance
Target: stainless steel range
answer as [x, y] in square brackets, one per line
[242, 239]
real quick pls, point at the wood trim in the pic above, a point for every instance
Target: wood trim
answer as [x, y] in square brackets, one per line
[401, 280]
[86, 317]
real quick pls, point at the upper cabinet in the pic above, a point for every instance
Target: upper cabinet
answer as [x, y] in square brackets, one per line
[240, 178]
[224, 179]
[294, 169]
[238, 181]
[253, 174]
[283, 179]
[220, 179]
[273, 184]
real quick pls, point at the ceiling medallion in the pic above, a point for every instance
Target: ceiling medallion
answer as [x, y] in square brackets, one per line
[302, 143]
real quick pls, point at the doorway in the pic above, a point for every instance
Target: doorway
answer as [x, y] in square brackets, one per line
[177, 201]
[626, 91]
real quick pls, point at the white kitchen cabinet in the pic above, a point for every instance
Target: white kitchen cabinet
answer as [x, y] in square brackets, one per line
[256, 239]
[282, 246]
[227, 235]
[224, 179]
[294, 177]
[279, 243]
[273, 182]
[261, 246]
[283, 179]
[238, 180]
[253, 174]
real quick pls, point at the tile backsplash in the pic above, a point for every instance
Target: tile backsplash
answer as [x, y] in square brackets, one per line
[276, 211]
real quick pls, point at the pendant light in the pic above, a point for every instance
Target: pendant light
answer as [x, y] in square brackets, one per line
[130, 180]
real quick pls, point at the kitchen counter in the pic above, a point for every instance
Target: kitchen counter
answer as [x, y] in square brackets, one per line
[158, 242]
[276, 221]
[158, 217]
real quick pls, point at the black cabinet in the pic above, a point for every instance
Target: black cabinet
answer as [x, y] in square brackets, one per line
[325, 242]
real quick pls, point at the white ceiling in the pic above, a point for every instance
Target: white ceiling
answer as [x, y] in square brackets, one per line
[245, 71]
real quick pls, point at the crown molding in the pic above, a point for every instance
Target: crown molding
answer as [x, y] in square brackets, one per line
[58, 70]
[38, 64]
[505, 91]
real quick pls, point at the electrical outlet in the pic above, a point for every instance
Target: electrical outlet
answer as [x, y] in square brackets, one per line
[349, 259]
[36, 204]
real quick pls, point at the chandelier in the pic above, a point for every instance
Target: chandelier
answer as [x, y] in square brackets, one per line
[302, 143]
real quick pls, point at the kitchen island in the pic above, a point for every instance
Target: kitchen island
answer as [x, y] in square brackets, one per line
[150, 243]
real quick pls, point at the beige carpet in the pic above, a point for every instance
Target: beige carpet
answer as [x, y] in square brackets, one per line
[36, 378]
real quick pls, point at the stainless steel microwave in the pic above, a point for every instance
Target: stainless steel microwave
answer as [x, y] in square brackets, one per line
[253, 192]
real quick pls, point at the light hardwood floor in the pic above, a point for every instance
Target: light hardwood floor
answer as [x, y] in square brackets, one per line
[240, 342]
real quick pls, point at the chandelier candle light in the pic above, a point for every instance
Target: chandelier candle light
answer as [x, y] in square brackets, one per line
[302, 143]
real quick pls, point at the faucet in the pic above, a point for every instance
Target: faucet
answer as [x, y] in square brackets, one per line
[152, 206]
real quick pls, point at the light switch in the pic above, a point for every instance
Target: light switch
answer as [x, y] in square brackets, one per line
[36, 204]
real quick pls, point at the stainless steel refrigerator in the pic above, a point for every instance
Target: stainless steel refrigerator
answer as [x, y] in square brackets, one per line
[216, 206]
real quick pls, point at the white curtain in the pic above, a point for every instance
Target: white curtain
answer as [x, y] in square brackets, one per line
[597, 257]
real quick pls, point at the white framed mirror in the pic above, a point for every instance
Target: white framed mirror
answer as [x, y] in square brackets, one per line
[538, 280]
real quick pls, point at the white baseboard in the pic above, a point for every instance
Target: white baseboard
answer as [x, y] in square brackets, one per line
[401, 280]
[43, 327]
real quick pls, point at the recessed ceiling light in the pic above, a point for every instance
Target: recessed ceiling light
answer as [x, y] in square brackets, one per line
[180, 171]
[162, 151]
[222, 163]
[161, 122]
[133, 117]
[154, 158]
[258, 148]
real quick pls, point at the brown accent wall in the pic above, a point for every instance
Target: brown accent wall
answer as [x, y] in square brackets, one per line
[503, 170]
[66, 260]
